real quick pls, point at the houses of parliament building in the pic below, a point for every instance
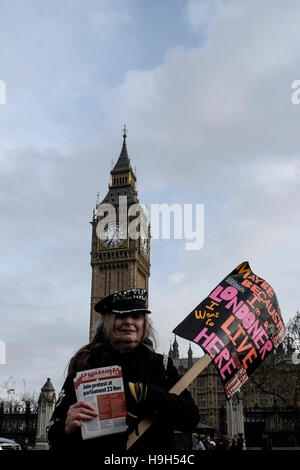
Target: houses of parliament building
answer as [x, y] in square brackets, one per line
[269, 401]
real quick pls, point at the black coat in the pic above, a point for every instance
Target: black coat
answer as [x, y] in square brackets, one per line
[170, 411]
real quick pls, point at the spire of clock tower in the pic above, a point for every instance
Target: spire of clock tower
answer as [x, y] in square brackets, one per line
[123, 178]
[123, 162]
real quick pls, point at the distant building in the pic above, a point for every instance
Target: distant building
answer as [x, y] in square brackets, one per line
[207, 389]
[46, 404]
[270, 399]
[26, 420]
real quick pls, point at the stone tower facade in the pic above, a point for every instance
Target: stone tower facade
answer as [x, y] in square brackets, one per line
[46, 405]
[118, 261]
[235, 415]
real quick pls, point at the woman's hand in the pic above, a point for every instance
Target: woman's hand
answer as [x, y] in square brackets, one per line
[82, 410]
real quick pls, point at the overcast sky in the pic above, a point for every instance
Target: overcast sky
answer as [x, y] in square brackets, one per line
[204, 87]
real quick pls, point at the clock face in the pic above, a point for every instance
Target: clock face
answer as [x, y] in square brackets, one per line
[113, 236]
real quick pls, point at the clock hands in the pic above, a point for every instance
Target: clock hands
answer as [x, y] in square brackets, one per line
[112, 236]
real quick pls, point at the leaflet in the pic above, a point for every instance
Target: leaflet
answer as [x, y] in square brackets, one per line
[104, 389]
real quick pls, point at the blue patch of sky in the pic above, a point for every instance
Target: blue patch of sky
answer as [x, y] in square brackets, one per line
[66, 64]
[158, 25]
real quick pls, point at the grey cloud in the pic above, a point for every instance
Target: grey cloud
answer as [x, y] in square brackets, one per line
[211, 124]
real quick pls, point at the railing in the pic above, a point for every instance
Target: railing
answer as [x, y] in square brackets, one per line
[18, 426]
[282, 425]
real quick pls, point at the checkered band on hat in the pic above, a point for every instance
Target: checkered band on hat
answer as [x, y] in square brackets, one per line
[130, 294]
[124, 302]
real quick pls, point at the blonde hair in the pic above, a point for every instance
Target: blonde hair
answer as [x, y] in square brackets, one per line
[103, 336]
[106, 325]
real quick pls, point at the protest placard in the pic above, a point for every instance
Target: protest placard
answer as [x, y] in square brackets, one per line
[238, 325]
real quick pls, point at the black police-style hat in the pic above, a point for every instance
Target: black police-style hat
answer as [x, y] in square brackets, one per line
[123, 302]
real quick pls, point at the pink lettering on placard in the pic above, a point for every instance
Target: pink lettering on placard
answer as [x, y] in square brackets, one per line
[227, 368]
[229, 293]
[256, 328]
[215, 293]
[225, 294]
[234, 303]
[203, 334]
[223, 356]
[242, 311]
[248, 320]
[260, 337]
[267, 347]
[212, 348]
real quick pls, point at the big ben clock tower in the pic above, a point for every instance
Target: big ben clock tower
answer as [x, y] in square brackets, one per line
[118, 261]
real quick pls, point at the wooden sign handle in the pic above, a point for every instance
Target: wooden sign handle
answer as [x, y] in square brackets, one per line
[177, 389]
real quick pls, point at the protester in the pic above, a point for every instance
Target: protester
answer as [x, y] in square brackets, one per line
[199, 444]
[222, 443]
[124, 337]
[26, 443]
[194, 440]
[209, 443]
[233, 445]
